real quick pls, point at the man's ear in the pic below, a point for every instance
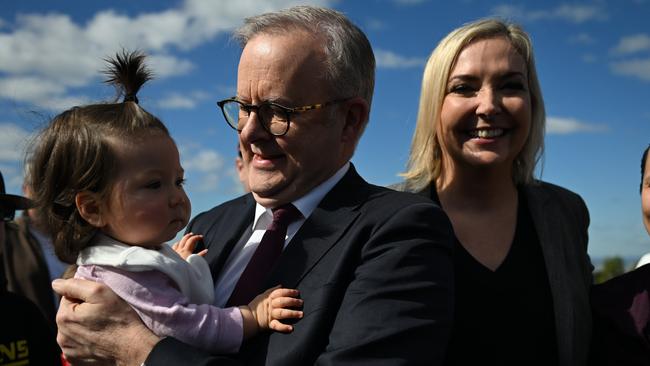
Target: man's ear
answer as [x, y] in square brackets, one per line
[90, 208]
[356, 117]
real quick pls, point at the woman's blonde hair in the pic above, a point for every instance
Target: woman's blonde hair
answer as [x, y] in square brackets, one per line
[425, 160]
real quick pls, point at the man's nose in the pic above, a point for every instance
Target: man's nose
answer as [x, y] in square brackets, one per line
[253, 130]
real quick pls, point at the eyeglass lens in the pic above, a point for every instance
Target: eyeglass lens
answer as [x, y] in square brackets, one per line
[273, 118]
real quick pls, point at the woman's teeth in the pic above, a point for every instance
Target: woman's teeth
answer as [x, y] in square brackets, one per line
[486, 134]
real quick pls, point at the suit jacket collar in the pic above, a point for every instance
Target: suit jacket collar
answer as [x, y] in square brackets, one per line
[321, 230]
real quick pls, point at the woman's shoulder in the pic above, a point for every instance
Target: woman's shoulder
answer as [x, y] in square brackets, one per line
[411, 187]
[552, 191]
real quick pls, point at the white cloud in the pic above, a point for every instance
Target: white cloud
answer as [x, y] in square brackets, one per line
[63, 54]
[204, 168]
[639, 68]
[567, 125]
[177, 101]
[183, 101]
[570, 13]
[589, 58]
[409, 2]
[391, 60]
[204, 160]
[582, 38]
[375, 24]
[632, 44]
[13, 142]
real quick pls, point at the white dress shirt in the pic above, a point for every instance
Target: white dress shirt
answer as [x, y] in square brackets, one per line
[245, 248]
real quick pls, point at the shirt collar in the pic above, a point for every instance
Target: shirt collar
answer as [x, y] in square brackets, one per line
[307, 203]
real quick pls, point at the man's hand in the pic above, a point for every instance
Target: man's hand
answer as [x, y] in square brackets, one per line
[97, 327]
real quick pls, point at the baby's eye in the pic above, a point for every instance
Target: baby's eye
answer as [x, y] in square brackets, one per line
[153, 185]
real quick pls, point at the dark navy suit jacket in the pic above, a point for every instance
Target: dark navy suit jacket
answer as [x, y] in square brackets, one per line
[374, 269]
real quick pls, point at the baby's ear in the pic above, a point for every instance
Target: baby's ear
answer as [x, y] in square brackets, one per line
[90, 208]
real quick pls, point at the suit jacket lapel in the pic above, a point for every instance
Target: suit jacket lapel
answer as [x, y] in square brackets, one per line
[223, 237]
[320, 231]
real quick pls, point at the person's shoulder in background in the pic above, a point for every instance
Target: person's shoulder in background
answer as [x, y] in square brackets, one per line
[26, 337]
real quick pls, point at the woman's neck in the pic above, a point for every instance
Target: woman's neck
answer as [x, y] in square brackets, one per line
[476, 189]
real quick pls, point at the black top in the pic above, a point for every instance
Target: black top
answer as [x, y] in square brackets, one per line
[504, 317]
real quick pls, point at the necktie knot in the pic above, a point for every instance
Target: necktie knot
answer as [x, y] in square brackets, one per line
[284, 215]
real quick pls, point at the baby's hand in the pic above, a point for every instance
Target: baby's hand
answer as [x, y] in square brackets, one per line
[186, 246]
[274, 305]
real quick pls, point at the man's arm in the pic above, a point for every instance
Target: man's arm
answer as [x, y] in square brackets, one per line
[95, 325]
[98, 327]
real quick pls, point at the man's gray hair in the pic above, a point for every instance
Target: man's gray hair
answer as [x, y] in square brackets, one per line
[350, 67]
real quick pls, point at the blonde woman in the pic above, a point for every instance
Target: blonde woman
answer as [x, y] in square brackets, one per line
[522, 270]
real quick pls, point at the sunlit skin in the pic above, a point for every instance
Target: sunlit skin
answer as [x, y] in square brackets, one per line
[485, 120]
[287, 69]
[486, 113]
[147, 204]
[645, 194]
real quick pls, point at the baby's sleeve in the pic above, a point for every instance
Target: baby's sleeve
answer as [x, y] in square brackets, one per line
[164, 309]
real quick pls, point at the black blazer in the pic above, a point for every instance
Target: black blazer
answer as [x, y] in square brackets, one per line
[373, 267]
[561, 220]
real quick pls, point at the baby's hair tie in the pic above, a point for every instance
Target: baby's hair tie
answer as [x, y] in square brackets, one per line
[130, 98]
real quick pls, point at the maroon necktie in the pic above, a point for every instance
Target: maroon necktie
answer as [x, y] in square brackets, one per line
[267, 253]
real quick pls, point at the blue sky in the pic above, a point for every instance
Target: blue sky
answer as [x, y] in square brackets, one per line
[593, 59]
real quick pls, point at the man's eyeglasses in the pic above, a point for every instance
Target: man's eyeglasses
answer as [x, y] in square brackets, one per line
[7, 213]
[275, 118]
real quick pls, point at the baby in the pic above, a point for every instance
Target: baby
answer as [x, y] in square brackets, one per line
[109, 178]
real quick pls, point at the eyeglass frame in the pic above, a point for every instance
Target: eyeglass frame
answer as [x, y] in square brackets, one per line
[287, 110]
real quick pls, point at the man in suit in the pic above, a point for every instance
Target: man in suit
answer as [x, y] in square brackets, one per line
[372, 265]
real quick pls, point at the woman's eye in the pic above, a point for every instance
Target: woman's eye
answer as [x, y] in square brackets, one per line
[514, 85]
[180, 182]
[461, 89]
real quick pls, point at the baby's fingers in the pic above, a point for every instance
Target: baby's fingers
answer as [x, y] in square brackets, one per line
[284, 292]
[281, 313]
[286, 302]
[277, 326]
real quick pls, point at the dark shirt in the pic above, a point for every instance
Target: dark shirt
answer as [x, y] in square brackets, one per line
[504, 317]
[25, 336]
[621, 311]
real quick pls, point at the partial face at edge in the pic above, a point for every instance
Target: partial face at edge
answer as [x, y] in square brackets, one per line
[645, 194]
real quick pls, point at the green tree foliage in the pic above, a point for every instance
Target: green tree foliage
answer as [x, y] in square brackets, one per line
[611, 267]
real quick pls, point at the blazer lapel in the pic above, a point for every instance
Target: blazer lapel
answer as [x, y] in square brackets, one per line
[548, 226]
[320, 232]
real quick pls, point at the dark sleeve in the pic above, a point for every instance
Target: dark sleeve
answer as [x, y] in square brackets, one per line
[398, 308]
[25, 331]
[172, 352]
